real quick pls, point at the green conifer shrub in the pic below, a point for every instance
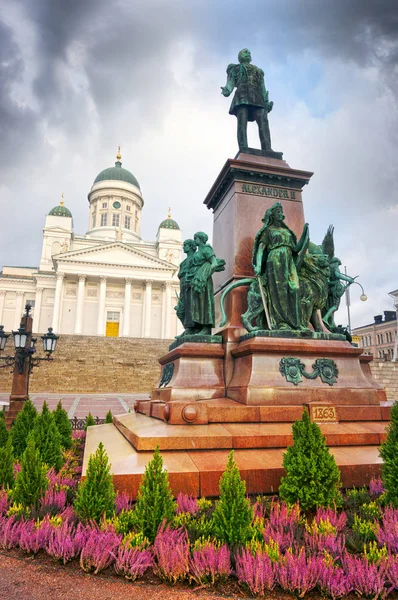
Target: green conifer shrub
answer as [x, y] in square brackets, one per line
[155, 501]
[109, 417]
[48, 438]
[3, 430]
[7, 465]
[89, 421]
[64, 426]
[95, 496]
[31, 481]
[312, 476]
[389, 454]
[22, 427]
[233, 514]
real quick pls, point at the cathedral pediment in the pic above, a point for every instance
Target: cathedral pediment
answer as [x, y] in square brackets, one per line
[115, 253]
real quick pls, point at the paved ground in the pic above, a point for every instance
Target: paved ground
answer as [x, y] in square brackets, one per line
[79, 405]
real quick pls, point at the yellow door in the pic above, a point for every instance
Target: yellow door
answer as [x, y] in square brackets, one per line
[112, 324]
[112, 329]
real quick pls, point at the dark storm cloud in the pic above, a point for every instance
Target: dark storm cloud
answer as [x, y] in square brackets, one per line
[18, 123]
[359, 30]
[126, 47]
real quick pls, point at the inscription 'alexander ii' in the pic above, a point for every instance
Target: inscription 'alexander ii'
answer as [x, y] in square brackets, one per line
[263, 190]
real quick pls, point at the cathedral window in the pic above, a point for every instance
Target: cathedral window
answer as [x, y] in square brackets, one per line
[104, 220]
[115, 220]
[104, 205]
[128, 207]
[127, 221]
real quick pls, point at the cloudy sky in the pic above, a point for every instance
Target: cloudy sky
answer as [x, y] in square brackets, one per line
[79, 77]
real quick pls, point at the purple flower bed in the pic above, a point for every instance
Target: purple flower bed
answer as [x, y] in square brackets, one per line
[332, 552]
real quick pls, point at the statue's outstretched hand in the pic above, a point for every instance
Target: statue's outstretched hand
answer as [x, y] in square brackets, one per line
[270, 106]
[225, 91]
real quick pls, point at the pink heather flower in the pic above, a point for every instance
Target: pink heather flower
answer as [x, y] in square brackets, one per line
[33, 538]
[387, 532]
[282, 525]
[297, 574]
[284, 540]
[10, 530]
[171, 553]
[132, 562]
[78, 435]
[53, 499]
[68, 514]
[365, 578]
[99, 550]
[334, 582]
[317, 543]
[376, 487]
[66, 542]
[187, 504]
[122, 502]
[3, 502]
[338, 521]
[257, 572]
[210, 563]
[282, 517]
[17, 469]
[392, 572]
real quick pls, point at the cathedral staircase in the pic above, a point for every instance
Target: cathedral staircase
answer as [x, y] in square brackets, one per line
[95, 364]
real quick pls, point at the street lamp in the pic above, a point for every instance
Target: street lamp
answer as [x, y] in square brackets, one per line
[3, 338]
[25, 346]
[362, 297]
[49, 341]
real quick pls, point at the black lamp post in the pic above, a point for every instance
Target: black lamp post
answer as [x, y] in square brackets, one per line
[23, 361]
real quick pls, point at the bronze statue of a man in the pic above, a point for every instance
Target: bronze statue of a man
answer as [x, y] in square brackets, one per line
[251, 102]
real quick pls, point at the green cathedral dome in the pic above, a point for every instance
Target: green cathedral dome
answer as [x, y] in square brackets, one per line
[169, 223]
[117, 173]
[60, 211]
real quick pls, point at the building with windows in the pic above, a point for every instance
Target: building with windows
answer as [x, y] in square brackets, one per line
[105, 282]
[379, 338]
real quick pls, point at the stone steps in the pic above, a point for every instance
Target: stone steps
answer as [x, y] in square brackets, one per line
[145, 433]
[197, 472]
[94, 364]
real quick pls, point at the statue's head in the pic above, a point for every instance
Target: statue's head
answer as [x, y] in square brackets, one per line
[244, 56]
[189, 246]
[200, 237]
[274, 214]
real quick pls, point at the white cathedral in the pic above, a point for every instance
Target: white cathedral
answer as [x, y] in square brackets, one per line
[108, 282]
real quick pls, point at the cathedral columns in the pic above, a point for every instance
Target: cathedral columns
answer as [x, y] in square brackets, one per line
[163, 329]
[101, 307]
[80, 304]
[18, 309]
[146, 321]
[57, 301]
[127, 307]
[2, 300]
[37, 311]
[168, 310]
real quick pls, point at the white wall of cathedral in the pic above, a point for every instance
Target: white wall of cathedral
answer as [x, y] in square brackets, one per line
[57, 235]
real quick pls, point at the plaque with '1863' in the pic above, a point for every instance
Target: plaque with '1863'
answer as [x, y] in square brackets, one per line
[323, 414]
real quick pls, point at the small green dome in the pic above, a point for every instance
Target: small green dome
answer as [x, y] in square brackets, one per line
[117, 173]
[169, 224]
[60, 211]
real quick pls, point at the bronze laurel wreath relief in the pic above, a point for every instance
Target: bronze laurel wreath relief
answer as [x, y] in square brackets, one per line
[294, 370]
